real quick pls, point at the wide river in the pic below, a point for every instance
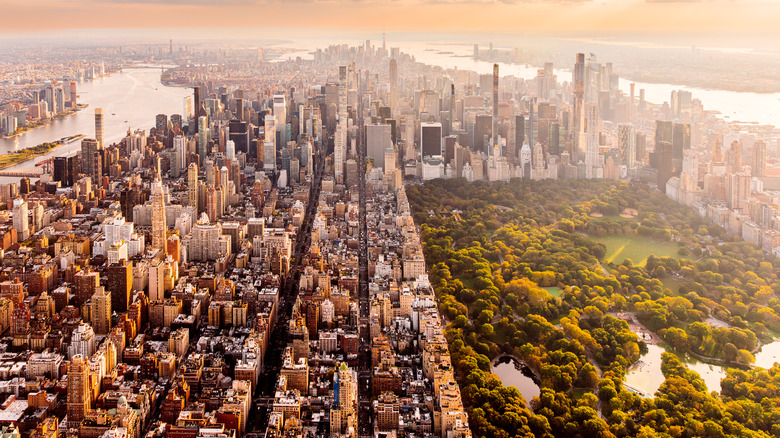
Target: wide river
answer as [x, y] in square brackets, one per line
[130, 100]
[762, 108]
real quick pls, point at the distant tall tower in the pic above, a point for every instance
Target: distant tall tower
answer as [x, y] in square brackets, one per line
[735, 156]
[79, 400]
[717, 152]
[159, 228]
[627, 143]
[192, 187]
[196, 91]
[393, 73]
[340, 144]
[170, 48]
[578, 79]
[99, 126]
[592, 132]
[203, 125]
[759, 158]
[269, 143]
[495, 105]
[21, 219]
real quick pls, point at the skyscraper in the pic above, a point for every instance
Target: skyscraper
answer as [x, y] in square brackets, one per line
[120, 284]
[21, 219]
[79, 400]
[592, 132]
[99, 126]
[192, 186]
[430, 139]
[198, 103]
[378, 139]
[578, 79]
[101, 311]
[180, 154]
[203, 128]
[627, 143]
[393, 74]
[269, 143]
[340, 142]
[89, 146]
[759, 159]
[159, 228]
[495, 106]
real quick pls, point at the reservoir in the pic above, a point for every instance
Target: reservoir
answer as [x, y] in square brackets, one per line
[514, 373]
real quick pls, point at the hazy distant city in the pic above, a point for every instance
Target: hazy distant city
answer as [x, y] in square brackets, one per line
[388, 235]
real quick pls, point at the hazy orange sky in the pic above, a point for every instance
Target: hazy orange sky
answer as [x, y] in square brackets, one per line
[753, 17]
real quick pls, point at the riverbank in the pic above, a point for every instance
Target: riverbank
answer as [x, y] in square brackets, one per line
[27, 128]
[14, 158]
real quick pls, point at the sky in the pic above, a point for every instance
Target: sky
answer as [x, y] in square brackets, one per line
[757, 18]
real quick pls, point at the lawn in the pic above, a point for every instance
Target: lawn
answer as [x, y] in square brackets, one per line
[554, 291]
[637, 248]
[613, 217]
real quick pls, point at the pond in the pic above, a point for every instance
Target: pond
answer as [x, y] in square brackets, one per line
[645, 377]
[768, 355]
[515, 373]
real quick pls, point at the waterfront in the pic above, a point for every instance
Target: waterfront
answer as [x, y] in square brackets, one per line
[130, 100]
[761, 108]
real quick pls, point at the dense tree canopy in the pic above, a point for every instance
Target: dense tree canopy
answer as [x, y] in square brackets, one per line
[517, 271]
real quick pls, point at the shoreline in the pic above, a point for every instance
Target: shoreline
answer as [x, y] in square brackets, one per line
[27, 154]
[48, 121]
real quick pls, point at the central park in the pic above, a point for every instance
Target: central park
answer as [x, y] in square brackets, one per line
[587, 284]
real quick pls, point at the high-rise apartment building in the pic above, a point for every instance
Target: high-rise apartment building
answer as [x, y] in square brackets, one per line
[120, 284]
[21, 219]
[592, 139]
[627, 143]
[101, 311]
[99, 127]
[759, 159]
[79, 400]
[430, 139]
[159, 227]
[90, 148]
[192, 187]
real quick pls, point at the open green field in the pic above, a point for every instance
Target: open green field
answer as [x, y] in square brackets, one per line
[613, 217]
[635, 247]
[554, 291]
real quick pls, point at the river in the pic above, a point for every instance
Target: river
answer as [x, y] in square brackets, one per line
[762, 108]
[130, 100]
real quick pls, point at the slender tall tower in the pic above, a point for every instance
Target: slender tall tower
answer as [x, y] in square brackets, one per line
[759, 159]
[159, 228]
[592, 139]
[203, 126]
[79, 397]
[495, 105]
[393, 73]
[340, 144]
[99, 127]
[192, 187]
[196, 92]
[579, 115]
[452, 107]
